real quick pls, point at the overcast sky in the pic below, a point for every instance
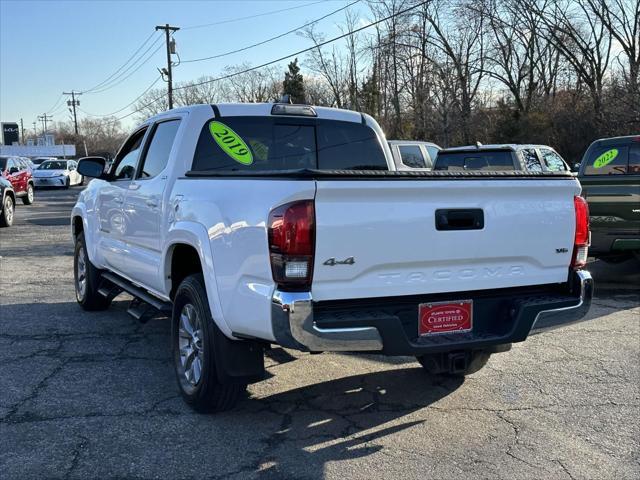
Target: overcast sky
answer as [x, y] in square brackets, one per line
[47, 47]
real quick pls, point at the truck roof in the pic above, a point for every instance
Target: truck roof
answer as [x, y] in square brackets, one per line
[262, 109]
[501, 146]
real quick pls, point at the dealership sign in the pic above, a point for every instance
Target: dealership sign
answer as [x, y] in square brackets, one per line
[10, 133]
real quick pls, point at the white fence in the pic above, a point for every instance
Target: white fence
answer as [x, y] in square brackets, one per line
[38, 151]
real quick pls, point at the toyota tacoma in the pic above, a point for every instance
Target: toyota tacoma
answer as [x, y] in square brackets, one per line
[252, 225]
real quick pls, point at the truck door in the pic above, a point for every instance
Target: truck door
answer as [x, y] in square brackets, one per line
[110, 202]
[144, 209]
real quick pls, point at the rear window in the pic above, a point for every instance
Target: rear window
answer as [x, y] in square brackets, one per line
[52, 165]
[412, 156]
[268, 143]
[609, 160]
[480, 160]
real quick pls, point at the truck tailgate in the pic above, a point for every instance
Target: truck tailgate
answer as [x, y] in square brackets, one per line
[378, 238]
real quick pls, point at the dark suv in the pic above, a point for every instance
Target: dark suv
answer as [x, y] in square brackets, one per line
[18, 172]
[8, 199]
[610, 177]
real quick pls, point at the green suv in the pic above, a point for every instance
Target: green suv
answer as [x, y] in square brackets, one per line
[610, 177]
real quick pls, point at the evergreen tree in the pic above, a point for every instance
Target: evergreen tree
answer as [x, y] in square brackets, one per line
[293, 84]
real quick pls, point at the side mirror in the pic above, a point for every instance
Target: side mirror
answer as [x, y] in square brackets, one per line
[576, 167]
[91, 167]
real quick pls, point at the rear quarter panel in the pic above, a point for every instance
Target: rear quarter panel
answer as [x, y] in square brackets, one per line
[234, 215]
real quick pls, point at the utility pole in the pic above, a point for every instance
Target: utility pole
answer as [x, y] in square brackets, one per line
[22, 132]
[170, 49]
[73, 103]
[44, 118]
[35, 131]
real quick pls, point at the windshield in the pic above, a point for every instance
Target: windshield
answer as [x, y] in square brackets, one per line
[476, 160]
[49, 165]
[38, 161]
[270, 143]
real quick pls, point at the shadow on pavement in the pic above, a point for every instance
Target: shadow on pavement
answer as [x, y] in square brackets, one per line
[318, 418]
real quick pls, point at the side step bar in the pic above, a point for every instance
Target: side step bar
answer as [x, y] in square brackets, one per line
[143, 306]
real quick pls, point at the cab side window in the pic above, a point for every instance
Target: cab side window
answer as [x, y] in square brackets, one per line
[159, 149]
[531, 161]
[412, 156]
[609, 160]
[553, 161]
[125, 166]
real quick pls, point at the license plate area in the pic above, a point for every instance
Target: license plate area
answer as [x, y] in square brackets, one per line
[445, 317]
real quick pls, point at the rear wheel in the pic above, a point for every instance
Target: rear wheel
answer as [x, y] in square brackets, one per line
[28, 198]
[8, 207]
[67, 183]
[87, 279]
[193, 339]
[457, 364]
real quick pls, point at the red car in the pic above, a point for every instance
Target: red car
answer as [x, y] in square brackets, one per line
[18, 172]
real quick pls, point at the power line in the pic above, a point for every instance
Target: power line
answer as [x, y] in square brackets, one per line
[272, 38]
[318, 45]
[126, 106]
[90, 90]
[128, 72]
[231, 20]
[56, 104]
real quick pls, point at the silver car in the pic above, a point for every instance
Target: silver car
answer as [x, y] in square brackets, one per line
[57, 173]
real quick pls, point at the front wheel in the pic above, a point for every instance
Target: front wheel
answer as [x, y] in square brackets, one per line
[6, 216]
[457, 364]
[193, 337]
[86, 279]
[28, 198]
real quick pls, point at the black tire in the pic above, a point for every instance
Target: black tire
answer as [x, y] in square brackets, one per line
[436, 364]
[8, 209]
[28, 198]
[88, 298]
[67, 183]
[205, 393]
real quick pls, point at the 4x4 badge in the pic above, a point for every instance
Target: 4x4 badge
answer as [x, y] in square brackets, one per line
[333, 262]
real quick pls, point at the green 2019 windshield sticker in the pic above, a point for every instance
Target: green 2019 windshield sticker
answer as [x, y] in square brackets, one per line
[606, 158]
[231, 143]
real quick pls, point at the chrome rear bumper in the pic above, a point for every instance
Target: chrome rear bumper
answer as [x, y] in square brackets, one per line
[550, 319]
[292, 317]
[294, 327]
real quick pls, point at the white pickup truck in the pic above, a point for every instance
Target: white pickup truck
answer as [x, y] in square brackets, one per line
[260, 224]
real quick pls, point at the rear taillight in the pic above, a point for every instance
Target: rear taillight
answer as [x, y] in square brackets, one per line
[581, 241]
[292, 238]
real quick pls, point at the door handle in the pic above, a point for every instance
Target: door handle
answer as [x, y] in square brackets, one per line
[119, 201]
[152, 203]
[460, 219]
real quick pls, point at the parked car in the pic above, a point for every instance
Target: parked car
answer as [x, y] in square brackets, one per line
[57, 173]
[37, 161]
[530, 158]
[8, 205]
[259, 224]
[411, 154]
[610, 178]
[16, 171]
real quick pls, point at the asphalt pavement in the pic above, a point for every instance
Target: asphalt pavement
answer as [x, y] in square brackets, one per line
[93, 395]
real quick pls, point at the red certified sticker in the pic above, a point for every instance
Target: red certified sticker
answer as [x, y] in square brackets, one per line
[445, 317]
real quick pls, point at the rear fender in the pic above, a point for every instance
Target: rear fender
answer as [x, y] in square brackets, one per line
[195, 235]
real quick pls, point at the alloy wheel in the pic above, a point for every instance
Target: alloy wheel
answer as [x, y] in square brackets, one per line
[81, 274]
[190, 344]
[8, 210]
